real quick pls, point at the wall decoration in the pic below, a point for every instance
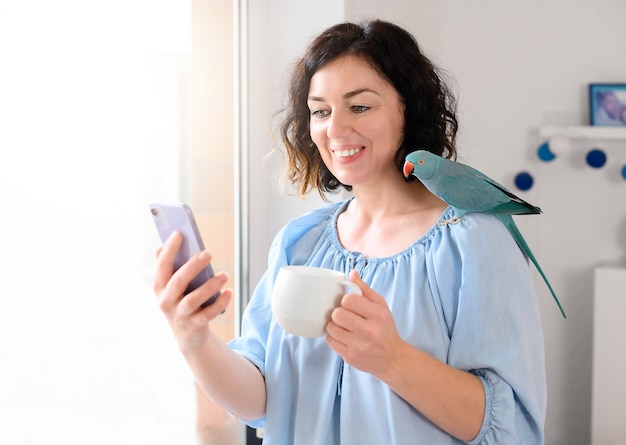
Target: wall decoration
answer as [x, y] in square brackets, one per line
[607, 104]
[596, 158]
[560, 145]
[553, 147]
[558, 140]
[544, 152]
[524, 181]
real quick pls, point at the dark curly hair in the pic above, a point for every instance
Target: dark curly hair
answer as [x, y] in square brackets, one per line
[430, 121]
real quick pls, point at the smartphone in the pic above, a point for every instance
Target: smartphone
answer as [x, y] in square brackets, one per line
[177, 216]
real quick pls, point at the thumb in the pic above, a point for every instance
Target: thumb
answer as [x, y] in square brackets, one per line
[355, 278]
[365, 289]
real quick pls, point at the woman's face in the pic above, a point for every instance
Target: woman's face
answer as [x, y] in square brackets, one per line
[356, 121]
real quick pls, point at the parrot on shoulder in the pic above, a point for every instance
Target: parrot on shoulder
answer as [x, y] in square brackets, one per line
[467, 190]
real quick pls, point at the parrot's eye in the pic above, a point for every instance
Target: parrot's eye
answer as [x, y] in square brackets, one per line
[420, 162]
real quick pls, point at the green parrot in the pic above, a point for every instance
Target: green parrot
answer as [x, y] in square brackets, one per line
[467, 190]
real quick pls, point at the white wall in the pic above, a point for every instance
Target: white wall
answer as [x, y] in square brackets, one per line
[518, 65]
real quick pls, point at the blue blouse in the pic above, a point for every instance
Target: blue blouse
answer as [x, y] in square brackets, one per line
[462, 293]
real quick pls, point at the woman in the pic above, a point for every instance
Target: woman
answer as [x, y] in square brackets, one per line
[445, 344]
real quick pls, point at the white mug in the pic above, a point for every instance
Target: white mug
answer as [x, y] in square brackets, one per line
[304, 297]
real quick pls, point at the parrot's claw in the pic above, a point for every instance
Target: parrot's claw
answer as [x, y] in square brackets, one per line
[453, 220]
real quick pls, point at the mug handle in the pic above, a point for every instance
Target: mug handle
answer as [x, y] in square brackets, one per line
[352, 287]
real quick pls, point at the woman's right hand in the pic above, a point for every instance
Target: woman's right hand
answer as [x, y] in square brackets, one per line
[229, 379]
[187, 319]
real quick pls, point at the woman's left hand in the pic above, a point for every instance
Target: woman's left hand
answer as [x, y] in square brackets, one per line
[362, 330]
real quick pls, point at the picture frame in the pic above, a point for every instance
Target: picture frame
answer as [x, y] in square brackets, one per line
[607, 104]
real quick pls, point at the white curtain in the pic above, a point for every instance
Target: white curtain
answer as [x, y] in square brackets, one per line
[92, 124]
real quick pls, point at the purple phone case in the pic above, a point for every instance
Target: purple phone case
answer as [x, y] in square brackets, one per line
[169, 217]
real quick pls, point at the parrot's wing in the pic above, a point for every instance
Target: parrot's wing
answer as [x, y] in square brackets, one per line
[487, 195]
[472, 192]
[514, 205]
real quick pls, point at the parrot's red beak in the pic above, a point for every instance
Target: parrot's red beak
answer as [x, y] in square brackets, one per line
[408, 168]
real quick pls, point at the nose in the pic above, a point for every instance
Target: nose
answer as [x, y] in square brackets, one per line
[338, 125]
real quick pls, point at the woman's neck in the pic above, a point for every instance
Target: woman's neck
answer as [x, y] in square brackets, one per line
[385, 221]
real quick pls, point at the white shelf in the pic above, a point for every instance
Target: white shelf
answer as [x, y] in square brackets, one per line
[583, 132]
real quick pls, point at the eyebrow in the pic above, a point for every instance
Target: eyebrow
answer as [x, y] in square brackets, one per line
[348, 95]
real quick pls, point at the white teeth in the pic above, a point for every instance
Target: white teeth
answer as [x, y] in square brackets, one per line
[346, 153]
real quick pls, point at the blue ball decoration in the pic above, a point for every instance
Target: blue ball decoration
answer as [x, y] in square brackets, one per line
[544, 152]
[596, 158]
[624, 172]
[524, 181]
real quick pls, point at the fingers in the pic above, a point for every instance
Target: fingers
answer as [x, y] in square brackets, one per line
[188, 319]
[193, 301]
[363, 314]
[368, 292]
[188, 313]
[165, 261]
[344, 321]
[368, 305]
[170, 285]
[362, 328]
[180, 279]
[220, 305]
[354, 276]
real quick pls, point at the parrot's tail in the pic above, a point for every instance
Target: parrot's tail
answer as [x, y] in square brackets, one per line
[517, 235]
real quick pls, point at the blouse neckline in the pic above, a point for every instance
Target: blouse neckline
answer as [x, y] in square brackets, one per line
[334, 235]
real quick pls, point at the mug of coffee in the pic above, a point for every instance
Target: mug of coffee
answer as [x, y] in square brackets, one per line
[304, 297]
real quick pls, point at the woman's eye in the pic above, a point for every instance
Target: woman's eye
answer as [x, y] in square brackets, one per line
[359, 108]
[319, 113]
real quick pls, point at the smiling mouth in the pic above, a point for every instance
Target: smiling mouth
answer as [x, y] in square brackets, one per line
[347, 153]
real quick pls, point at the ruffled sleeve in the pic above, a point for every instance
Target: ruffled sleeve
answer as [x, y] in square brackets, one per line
[483, 282]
